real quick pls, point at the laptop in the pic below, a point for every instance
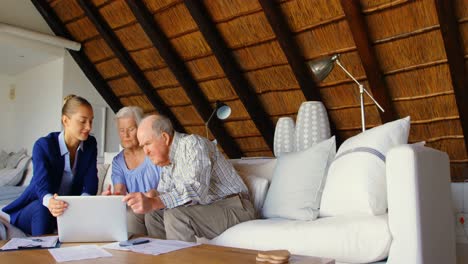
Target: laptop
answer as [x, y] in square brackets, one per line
[93, 219]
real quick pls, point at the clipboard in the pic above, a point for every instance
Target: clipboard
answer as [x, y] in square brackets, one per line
[27, 243]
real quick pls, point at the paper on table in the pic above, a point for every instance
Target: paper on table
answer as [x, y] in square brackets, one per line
[31, 242]
[115, 246]
[154, 247]
[78, 253]
[157, 246]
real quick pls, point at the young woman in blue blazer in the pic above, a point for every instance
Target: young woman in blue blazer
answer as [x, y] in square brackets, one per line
[64, 163]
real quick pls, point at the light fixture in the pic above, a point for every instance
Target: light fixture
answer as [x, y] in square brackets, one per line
[222, 111]
[323, 66]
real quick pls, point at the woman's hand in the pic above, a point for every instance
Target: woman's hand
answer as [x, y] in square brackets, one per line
[119, 189]
[56, 207]
[108, 191]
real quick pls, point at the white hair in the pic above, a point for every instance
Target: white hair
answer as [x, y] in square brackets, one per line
[134, 112]
[161, 124]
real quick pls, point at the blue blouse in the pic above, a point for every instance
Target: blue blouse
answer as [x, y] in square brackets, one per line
[141, 179]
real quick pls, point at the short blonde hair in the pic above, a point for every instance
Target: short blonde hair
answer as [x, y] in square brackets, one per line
[134, 112]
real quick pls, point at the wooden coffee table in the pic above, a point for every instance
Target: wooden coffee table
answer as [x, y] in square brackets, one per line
[202, 254]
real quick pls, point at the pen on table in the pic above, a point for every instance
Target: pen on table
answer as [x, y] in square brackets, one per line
[36, 239]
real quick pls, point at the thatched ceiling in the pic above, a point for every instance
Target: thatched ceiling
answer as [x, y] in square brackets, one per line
[178, 57]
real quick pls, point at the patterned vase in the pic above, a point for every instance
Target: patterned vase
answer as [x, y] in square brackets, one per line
[312, 125]
[284, 136]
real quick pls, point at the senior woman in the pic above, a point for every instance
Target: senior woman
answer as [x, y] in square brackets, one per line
[132, 170]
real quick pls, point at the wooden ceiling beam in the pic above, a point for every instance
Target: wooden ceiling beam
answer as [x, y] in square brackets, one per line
[79, 56]
[296, 60]
[124, 57]
[375, 76]
[451, 35]
[231, 68]
[184, 77]
[291, 49]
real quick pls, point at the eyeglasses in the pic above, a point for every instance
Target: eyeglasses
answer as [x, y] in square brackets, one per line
[127, 130]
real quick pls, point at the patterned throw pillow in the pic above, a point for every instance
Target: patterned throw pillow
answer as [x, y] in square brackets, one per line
[3, 159]
[15, 158]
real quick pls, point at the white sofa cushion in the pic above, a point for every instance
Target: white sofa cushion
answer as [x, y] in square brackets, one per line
[256, 174]
[102, 172]
[260, 167]
[103, 184]
[298, 180]
[356, 178]
[258, 188]
[350, 238]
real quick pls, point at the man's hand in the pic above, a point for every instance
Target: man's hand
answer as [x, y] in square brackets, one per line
[56, 207]
[152, 193]
[142, 204]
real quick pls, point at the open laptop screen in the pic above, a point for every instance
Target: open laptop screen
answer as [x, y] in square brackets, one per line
[93, 219]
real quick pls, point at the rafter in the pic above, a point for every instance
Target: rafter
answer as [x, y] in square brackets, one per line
[124, 57]
[79, 56]
[375, 76]
[291, 50]
[183, 76]
[293, 54]
[232, 70]
[455, 57]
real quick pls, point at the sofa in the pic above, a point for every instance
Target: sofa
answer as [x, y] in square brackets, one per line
[392, 201]
[416, 229]
[375, 199]
[15, 174]
[13, 166]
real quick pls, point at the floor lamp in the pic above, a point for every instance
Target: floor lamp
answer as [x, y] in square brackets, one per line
[322, 67]
[222, 111]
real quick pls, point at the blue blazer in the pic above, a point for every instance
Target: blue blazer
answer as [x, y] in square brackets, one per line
[48, 167]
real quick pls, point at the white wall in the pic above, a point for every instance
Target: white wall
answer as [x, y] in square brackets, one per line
[35, 110]
[6, 113]
[76, 82]
[38, 103]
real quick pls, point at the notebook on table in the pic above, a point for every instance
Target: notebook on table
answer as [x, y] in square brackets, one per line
[93, 219]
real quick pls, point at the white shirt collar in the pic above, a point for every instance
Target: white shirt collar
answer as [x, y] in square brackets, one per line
[63, 146]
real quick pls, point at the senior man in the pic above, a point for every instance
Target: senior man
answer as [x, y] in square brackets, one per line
[199, 192]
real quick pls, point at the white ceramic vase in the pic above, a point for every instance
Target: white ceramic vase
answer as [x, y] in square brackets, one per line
[312, 125]
[284, 136]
